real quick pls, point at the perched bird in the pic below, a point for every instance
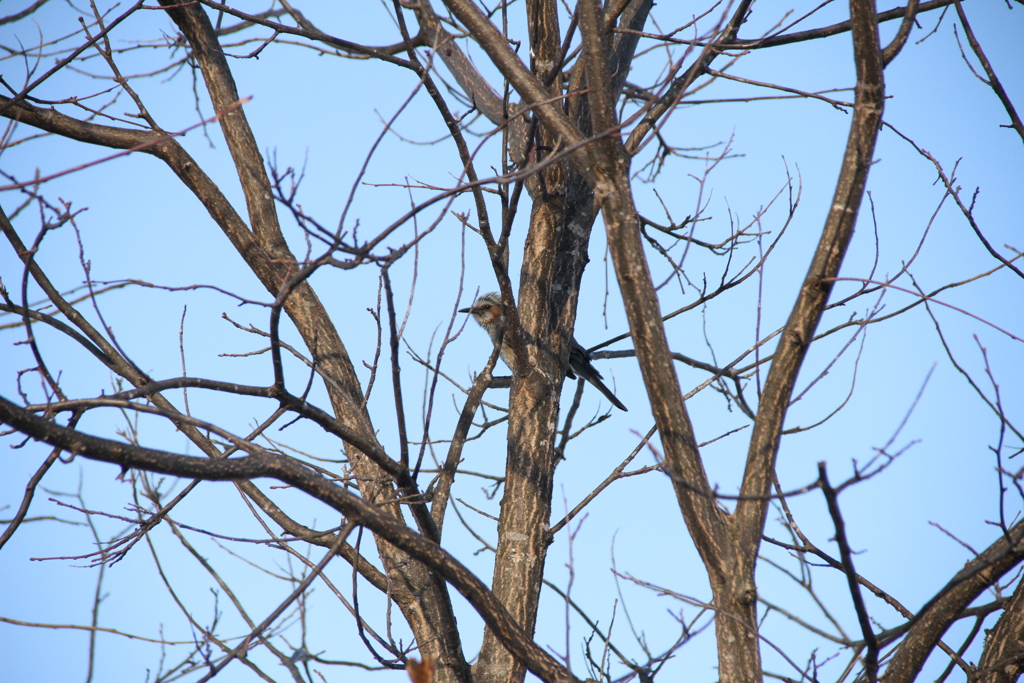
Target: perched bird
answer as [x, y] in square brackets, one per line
[488, 312]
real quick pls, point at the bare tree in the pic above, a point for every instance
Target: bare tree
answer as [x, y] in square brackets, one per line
[553, 119]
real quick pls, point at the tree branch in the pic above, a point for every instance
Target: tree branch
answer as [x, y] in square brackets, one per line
[265, 464]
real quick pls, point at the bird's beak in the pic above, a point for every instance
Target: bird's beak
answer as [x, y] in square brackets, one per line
[466, 310]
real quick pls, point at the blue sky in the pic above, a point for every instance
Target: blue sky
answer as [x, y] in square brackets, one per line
[323, 114]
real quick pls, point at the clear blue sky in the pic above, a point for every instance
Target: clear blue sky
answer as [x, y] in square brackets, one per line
[324, 114]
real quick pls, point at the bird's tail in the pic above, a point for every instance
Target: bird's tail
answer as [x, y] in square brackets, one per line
[579, 359]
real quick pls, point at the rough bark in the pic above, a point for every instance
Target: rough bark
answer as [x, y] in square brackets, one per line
[421, 595]
[594, 176]
[934, 618]
[561, 221]
[1002, 660]
[705, 521]
[260, 464]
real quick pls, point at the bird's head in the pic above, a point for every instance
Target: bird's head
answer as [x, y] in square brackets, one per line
[486, 310]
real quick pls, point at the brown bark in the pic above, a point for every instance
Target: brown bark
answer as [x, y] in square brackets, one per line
[555, 256]
[259, 464]
[420, 594]
[1002, 660]
[706, 522]
[933, 619]
[565, 197]
[810, 303]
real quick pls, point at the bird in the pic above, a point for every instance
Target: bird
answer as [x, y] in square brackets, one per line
[488, 311]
